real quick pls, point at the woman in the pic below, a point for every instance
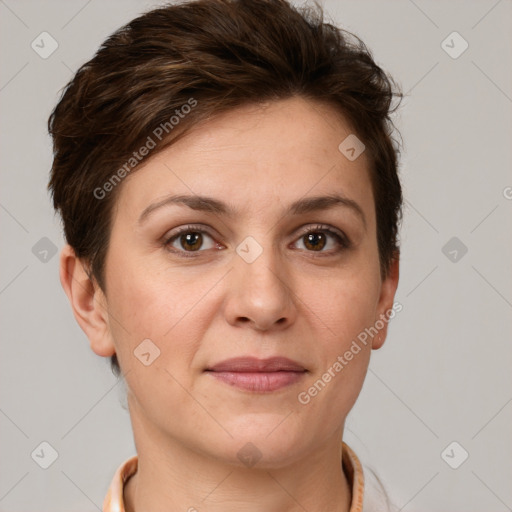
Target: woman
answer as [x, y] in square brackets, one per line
[228, 187]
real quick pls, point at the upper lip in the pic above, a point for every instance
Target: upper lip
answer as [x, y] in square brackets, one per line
[253, 364]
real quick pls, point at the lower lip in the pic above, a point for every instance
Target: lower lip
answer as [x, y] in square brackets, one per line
[259, 381]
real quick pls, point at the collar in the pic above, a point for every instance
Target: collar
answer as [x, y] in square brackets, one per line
[350, 463]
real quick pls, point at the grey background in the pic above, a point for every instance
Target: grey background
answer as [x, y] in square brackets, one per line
[444, 373]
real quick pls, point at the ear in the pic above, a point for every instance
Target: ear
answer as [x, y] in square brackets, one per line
[386, 301]
[87, 301]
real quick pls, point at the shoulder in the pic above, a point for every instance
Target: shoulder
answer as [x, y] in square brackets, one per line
[376, 498]
[368, 492]
[113, 501]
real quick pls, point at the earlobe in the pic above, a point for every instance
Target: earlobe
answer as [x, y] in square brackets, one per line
[87, 302]
[386, 301]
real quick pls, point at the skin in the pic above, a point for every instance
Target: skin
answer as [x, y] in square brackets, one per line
[293, 301]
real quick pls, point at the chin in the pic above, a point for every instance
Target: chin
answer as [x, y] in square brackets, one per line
[268, 442]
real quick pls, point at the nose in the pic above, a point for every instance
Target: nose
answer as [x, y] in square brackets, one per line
[259, 292]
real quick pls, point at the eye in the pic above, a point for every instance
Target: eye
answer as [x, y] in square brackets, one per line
[189, 239]
[317, 238]
[192, 239]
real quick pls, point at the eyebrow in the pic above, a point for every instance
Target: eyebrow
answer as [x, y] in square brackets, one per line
[212, 205]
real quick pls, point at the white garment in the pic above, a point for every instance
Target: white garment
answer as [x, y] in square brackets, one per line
[376, 499]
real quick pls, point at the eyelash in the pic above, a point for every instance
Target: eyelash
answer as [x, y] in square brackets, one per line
[342, 241]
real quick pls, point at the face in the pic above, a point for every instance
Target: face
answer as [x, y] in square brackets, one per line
[248, 275]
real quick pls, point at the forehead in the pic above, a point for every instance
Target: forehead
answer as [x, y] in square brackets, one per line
[256, 158]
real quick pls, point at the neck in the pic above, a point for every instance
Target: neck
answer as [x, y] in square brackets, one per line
[174, 477]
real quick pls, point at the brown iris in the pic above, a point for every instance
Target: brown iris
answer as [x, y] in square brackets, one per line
[315, 241]
[192, 241]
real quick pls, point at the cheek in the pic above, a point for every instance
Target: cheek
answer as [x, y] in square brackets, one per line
[344, 311]
[154, 337]
[344, 308]
[346, 305]
[139, 305]
[161, 304]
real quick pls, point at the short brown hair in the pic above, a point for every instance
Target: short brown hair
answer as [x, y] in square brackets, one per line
[214, 55]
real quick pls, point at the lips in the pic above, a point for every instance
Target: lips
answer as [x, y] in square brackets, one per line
[255, 365]
[258, 375]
